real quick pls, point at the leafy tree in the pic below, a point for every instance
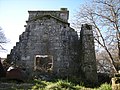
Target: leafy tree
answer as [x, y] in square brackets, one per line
[104, 16]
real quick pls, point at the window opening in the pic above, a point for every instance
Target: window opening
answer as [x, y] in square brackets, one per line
[43, 63]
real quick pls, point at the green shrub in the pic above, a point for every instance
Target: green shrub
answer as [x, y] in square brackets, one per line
[105, 87]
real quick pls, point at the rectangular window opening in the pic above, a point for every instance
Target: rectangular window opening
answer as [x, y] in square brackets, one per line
[43, 63]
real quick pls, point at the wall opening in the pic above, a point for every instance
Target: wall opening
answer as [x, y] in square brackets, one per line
[43, 63]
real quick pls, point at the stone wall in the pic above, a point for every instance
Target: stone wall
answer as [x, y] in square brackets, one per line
[48, 36]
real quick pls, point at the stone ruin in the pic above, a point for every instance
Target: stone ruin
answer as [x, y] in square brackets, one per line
[50, 46]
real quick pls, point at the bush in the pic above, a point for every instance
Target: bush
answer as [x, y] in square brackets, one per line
[105, 87]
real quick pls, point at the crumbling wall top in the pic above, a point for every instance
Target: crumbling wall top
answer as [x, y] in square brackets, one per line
[86, 27]
[63, 14]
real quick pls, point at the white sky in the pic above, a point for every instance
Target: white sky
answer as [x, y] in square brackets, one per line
[14, 13]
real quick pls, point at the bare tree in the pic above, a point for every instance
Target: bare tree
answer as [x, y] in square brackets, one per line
[3, 39]
[104, 15]
[103, 62]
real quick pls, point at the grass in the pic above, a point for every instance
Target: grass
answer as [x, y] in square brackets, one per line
[55, 85]
[65, 85]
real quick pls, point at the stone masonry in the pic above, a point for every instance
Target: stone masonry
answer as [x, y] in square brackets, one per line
[87, 52]
[50, 45]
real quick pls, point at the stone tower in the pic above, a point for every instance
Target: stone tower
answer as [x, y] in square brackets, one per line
[50, 46]
[87, 52]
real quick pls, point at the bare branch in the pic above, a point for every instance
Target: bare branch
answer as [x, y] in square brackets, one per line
[104, 15]
[3, 39]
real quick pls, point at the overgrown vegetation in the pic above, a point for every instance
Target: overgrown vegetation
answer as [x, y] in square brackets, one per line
[65, 85]
[51, 85]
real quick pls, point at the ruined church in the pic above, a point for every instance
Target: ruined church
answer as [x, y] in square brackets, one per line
[49, 45]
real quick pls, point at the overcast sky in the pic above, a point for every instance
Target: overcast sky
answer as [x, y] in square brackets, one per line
[14, 13]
